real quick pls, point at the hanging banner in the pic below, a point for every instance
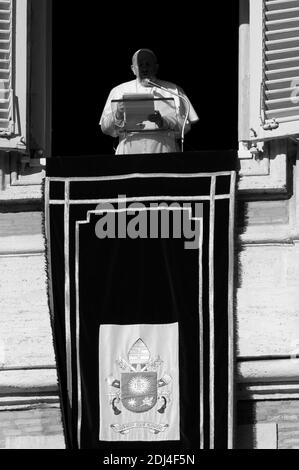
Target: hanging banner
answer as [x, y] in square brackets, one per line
[140, 277]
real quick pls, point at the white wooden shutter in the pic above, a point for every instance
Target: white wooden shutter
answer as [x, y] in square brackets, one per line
[6, 67]
[273, 75]
[280, 85]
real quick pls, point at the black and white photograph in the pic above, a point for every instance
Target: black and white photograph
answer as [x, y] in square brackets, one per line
[149, 229]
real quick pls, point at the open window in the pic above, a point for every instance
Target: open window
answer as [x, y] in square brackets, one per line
[268, 91]
[25, 93]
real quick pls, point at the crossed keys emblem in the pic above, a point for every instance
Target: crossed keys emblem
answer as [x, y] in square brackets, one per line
[139, 389]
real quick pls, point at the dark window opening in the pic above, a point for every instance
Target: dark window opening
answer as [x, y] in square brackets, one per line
[197, 49]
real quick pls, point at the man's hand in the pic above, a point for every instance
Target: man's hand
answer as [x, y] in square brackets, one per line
[120, 111]
[156, 118]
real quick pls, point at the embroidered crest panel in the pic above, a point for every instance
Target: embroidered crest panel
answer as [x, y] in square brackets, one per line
[139, 382]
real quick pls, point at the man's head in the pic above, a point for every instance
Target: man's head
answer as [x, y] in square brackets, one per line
[144, 64]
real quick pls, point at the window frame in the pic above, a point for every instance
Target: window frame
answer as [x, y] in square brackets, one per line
[263, 155]
[22, 156]
[19, 138]
[257, 132]
[32, 79]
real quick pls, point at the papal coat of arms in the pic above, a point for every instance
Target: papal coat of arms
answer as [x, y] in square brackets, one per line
[139, 388]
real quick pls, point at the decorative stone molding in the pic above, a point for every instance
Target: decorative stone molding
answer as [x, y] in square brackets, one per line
[17, 382]
[271, 379]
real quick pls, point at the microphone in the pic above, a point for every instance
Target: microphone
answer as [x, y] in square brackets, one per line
[149, 82]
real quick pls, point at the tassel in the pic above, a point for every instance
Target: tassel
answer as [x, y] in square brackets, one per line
[163, 407]
[115, 409]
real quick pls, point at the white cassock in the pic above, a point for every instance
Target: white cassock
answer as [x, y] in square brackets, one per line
[166, 140]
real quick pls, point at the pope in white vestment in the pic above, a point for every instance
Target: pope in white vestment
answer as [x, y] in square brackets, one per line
[169, 127]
